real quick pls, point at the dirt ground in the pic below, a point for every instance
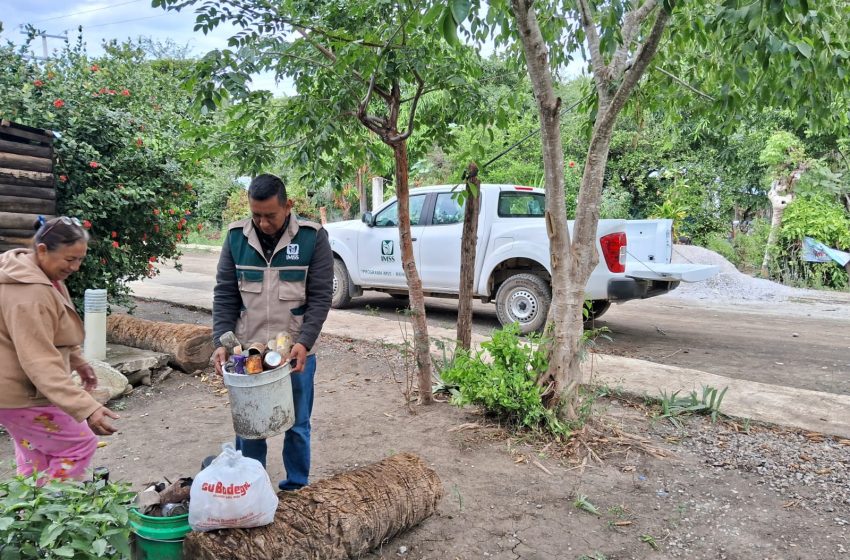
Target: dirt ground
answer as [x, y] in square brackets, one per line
[702, 492]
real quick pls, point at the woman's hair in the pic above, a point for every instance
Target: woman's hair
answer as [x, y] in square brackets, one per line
[58, 232]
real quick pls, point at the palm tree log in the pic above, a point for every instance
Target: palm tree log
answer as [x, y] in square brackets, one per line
[344, 516]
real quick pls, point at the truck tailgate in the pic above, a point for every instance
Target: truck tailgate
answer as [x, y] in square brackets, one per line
[670, 272]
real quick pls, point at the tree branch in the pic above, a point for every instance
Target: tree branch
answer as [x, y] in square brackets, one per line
[631, 25]
[419, 89]
[683, 83]
[600, 71]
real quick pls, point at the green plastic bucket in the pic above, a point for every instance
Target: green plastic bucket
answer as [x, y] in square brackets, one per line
[158, 538]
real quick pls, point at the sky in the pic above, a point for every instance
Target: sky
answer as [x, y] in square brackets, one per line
[115, 19]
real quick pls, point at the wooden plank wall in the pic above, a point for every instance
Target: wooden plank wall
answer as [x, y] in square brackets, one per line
[27, 185]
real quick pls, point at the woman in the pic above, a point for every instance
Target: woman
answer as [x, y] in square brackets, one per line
[52, 420]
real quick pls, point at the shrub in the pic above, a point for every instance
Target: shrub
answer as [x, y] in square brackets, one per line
[115, 166]
[503, 379]
[63, 519]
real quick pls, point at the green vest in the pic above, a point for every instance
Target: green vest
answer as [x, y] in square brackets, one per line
[273, 292]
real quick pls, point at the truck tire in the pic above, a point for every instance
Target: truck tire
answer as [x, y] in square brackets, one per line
[598, 307]
[342, 284]
[524, 299]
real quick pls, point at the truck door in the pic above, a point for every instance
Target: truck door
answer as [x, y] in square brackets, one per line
[439, 246]
[378, 248]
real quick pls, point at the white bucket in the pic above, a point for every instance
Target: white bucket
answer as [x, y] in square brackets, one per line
[261, 404]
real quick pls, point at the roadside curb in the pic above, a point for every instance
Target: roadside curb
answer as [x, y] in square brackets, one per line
[775, 404]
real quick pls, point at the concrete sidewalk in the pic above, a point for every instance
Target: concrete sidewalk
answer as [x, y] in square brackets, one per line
[810, 410]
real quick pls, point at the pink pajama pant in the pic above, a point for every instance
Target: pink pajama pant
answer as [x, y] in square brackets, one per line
[49, 440]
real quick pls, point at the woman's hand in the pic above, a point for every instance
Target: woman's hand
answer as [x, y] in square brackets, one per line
[88, 377]
[99, 421]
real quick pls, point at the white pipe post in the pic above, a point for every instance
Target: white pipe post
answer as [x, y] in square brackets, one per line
[377, 192]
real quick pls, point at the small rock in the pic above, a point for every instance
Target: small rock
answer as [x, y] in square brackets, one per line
[402, 550]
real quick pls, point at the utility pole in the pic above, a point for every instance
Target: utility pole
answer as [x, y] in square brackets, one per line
[44, 36]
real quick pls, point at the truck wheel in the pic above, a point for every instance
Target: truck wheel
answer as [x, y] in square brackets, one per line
[524, 299]
[598, 307]
[342, 282]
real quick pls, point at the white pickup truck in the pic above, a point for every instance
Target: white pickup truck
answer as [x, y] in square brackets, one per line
[512, 264]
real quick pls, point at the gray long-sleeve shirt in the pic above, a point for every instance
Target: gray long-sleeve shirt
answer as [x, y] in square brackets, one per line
[227, 301]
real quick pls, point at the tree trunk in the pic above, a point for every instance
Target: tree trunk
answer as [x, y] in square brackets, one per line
[780, 194]
[344, 516]
[190, 346]
[421, 342]
[468, 248]
[572, 262]
[361, 189]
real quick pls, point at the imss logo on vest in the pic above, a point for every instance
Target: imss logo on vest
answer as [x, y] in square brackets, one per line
[292, 252]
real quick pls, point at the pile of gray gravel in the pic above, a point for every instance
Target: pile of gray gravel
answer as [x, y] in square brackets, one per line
[729, 284]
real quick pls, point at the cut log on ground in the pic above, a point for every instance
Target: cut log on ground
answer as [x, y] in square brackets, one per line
[344, 516]
[190, 346]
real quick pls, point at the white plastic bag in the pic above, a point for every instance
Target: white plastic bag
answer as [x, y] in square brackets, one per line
[233, 491]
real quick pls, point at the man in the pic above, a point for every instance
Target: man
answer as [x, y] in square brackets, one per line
[275, 257]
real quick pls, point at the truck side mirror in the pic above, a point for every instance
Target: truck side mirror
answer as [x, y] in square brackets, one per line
[368, 219]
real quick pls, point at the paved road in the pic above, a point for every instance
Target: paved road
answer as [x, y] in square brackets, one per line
[804, 344]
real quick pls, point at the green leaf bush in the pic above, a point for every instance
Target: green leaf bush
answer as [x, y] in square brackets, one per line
[63, 519]
[502, 378]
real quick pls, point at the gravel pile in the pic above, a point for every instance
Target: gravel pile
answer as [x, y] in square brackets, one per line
[810, 468]
[730, 284]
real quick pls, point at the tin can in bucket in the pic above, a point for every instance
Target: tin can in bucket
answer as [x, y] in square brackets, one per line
[254, 364]
[261, 404]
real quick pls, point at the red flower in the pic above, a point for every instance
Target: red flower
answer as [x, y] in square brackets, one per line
[125, 92]
[188, 212]
[156, 228]
[139, 142]
[102, 90]
[95, 68]
[58, 103]
[86, 224]
[200, 227]
[156, 211]
[179, 225]
[116, 244]
[38, 83]
[63, 178]
[171, 211]
[179, 237]
[572, 164]
[94, 164]
[114, 235]
[152, 259]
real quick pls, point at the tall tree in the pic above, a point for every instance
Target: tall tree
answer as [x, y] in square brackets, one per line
[798, 50]
[352, 61]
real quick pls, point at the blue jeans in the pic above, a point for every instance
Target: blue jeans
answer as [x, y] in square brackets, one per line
[296, 442]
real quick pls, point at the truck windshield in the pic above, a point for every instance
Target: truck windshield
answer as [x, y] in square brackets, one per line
[521, 205]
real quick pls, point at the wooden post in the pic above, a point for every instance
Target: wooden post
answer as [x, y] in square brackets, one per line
[323, 215]
[341, 517]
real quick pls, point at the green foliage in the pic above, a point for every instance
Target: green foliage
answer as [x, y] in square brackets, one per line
[115, 116]
[820, 216]
[782, 151]
[63, 519]
[503, 379]
[671, 211]
[236, 208]
[708, 403]
[583, 503]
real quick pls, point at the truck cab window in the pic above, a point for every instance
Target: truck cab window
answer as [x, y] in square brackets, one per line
[447, 210]
[388, 217]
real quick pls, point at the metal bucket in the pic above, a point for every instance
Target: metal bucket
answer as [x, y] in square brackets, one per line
[261, 404]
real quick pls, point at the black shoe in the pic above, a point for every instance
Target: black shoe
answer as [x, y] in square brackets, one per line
[207, 460]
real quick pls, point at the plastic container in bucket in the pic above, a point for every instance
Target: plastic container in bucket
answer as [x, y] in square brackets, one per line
[261, 404]
[158, 538]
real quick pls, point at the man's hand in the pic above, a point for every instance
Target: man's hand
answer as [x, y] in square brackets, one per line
[218, 358]
[87, 376]
[299, 354]
[99, 421]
